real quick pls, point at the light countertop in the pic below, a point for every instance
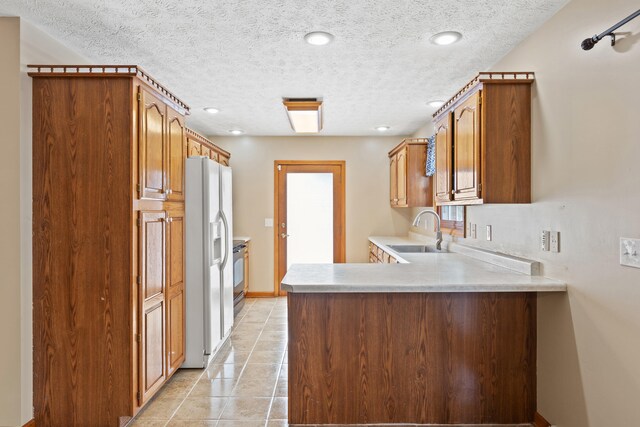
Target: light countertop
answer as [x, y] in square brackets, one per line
[432, 272]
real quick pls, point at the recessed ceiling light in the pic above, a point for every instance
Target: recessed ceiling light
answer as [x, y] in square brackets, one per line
[435, 103]
[211, 110]
[236, 132]
[445, 38]
[383, 128]
[318, 38]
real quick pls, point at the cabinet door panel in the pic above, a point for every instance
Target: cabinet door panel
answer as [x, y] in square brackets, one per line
[152, 241]
[393, 180]
[467, 149]
[402, 177]
[177, 154]
[443, 159]
[152, 148]
[176, 331]
[193, 148]
[175, 284]
[153, 349]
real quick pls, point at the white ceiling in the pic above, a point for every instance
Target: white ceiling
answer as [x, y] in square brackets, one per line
[244, 56]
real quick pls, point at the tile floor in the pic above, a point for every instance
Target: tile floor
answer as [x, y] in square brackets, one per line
[245, 385]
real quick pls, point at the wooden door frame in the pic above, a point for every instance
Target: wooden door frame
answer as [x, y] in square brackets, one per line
[276, 212]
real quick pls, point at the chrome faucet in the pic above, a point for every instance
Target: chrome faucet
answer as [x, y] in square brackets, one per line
[416, 222]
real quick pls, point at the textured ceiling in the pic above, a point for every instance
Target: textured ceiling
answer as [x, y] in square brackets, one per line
[244, 56]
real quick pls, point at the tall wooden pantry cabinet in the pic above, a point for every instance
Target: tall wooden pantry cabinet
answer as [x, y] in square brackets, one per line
[109, 144]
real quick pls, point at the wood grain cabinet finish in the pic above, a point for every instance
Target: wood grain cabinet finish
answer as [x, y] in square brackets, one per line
[443, 177]
[108, 230]
[175, 289]
[483, 142]
[199, 145]
[412, 358]
[409, 185]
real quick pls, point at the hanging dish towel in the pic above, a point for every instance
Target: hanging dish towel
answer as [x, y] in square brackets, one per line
[431, 156]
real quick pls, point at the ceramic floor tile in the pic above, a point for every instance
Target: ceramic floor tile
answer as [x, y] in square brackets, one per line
[160, 409]
[252, 386]
[277, 423]
[259, 356]
[149, 423]
[213, 388]
[273, 336]
[231, 356]
[278, 409]
[246, 408]
[226, 370]
[200, 408]
[262, 370]
[282, 388]
[192, 423]
[238, 423]
[270, 345]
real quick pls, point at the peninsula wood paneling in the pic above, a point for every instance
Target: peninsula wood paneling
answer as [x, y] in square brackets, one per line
[81, 251]
[467, 358]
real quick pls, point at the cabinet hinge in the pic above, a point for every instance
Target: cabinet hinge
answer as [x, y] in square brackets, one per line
[139, 96]
[479, 188]
[138, 338]
[139, 221]
[138, 188]
[279, 167]
[138, 396]
[138, 280]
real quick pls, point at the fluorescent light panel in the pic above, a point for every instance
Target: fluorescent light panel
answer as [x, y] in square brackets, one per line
[305, 116]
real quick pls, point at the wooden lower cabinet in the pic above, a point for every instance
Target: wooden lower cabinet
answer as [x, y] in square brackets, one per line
[175, 290]
[412, 358]
[377, 255]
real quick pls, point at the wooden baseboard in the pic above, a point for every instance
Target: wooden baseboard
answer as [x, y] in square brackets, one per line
[539, 421]
[30, 423]
[252, 294]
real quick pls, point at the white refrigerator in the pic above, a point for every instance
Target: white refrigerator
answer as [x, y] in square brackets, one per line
[209, 255]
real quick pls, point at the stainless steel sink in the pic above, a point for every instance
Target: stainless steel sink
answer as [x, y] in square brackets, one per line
[415, 249]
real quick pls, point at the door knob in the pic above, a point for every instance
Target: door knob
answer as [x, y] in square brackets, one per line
[284, 235]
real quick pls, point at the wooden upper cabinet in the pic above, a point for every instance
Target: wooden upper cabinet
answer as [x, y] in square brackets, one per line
[205, 151]
[152, 146]
[466, 165]
[152, 278]
[393, 180]
[175, 290]
[223, 160]
[193, 148]
[177, 155]
[409, 184]
[443, 176]
[489, 141]
[401, 176]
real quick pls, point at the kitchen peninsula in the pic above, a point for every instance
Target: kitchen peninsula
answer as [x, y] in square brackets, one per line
[443, 339]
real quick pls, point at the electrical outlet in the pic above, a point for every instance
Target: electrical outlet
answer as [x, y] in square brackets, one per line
[268, 222]
[544, 239]
[489, 232]
[474, 231]
[554, 241]
[630, 252]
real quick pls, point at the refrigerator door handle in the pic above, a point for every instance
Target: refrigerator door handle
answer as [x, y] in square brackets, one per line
[226, 240]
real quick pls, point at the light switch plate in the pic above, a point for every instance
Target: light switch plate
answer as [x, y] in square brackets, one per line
[489, 236]
[630, 252]
[554, 241]
[468, 229]
[474, 231]
[268, 222]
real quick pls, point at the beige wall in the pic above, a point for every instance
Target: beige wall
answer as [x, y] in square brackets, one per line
[10, 316]
[22, 44]
[586, 184]
[367, 191]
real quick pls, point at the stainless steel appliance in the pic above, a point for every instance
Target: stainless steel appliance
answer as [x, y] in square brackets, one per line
[209, 270]
[239, 248]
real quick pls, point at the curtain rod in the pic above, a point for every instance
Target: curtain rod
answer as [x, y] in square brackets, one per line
[588, 44]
